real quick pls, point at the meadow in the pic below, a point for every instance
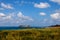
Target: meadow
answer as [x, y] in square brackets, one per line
[31, 34]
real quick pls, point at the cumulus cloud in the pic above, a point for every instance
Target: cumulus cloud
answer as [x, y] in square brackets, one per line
[8, 17]
[12, 18]
[2, 14]
[20, 15]
[42, 5]
[7, 6]
[57, 1]
[55, 16]
[42, 13]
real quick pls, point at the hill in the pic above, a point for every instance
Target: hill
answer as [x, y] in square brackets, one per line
[55, 25]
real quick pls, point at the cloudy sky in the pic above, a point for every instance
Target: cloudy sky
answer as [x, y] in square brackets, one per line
[29, 12]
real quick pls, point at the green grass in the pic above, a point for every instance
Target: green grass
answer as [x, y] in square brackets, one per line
[31, 34]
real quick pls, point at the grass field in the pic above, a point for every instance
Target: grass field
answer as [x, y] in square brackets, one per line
[52, 33]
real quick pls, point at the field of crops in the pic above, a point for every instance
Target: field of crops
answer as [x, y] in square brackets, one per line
[31, 34]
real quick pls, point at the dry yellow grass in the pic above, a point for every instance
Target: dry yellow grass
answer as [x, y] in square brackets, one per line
[52, 33]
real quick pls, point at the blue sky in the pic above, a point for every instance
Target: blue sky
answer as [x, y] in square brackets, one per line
[29, 12]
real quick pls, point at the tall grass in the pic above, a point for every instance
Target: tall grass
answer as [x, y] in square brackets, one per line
[33, 34]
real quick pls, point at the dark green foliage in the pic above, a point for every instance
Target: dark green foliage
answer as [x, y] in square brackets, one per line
[5, 33]
[0, 37]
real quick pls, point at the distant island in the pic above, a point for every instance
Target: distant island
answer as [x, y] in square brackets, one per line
[24, 26]
[29, 27]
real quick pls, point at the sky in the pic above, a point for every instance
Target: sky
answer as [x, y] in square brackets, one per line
[29, 12]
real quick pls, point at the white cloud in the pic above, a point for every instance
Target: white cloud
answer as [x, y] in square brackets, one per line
[42, 5]
[20, 14]
[13, 18]
[42, 13]
[7, 6]
[2, 15]
[8, 17]
[19, 17]
[55, 16]
[23, 17]
[57, 1]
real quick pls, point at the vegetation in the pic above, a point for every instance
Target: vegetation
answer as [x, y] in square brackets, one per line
[55, 25]
[31, 34]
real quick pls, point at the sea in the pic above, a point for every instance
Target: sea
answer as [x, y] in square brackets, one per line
[14, 28]
[9, 28]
